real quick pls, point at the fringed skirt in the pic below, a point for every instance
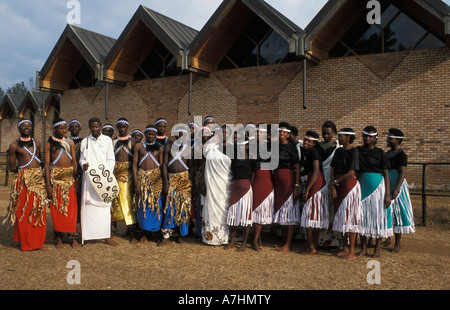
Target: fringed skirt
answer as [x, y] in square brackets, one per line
[402, 213]
[263, 197]
[178, 204]
[27, 209]
[64, 206]
[347, 206]
[123, 207]
[150, 209]
[241, 204]
[374, 216]
[285, 211]
[315, 210]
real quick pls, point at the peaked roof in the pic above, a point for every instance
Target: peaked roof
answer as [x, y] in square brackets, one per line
[336, 11]
[175, 36]
[13, 102]
[92, 47]
[231, 13]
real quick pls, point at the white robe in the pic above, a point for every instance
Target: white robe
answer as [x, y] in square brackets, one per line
[95, 214]
[218, 180]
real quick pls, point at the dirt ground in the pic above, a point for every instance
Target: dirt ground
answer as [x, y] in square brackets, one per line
[423, 264]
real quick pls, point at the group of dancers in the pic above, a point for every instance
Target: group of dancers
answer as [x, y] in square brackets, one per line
[207, 180]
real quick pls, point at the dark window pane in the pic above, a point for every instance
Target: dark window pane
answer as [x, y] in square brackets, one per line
[225, 64]
[363, 38]
[274, 49]
[257, 29]
[171, 67]
[431, 41]
[369, 42]
[152, 65]
[406, 33]
[338, 50]
[243, 52]
[161, 49]
[387, 15]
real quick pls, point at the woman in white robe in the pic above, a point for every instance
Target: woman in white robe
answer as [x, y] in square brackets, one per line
[218, 180]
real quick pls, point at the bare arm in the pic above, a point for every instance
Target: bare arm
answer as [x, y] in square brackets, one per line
[387, 195]
[12, 157]
[134, 166]
[313, 180]
[297, 181]
[164, 168]
[47, 171]
[401, 177]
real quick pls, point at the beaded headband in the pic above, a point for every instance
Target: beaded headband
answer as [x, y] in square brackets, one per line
[108, 126]
[122, 121]
[160, 121]
[137, 131]
[151, 129]
[24, 121]
[59, 124]
[74, 121]
[311, 138]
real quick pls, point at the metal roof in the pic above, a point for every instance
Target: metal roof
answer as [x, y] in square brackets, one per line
[93, 47]
[277, 21]
[13, 101]
[436, 7]
[96, 44]
[179, 33]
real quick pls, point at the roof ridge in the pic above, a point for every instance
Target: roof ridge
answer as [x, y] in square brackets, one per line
[93, 32]
[167, 17]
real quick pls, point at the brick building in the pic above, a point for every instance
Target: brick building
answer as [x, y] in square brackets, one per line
[249, 63]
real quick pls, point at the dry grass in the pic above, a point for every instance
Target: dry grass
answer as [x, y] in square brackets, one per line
[422, 264]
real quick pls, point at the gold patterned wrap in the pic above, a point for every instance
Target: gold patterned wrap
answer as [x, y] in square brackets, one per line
[150, 188]
[32, 180]
[62, 179]
[122, 171]
[123, 207]
[179, 197]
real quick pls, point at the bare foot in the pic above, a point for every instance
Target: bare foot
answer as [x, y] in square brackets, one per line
[75, 244]
[285, 248]
[386, 243]
[256, 247]
[110, 242]
[229, 246]
[143, 239]
[362, 253]
[180, 240]
[134, 241]
[307, 251]
[242, 248]
[163, 242]
[397, 248]
[59, 244]
[349, 257]
[342, 253]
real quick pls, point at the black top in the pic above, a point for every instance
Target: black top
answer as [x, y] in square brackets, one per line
[288, 156]
[162, 141]
[345, 160]
[396, 159]
[243, 169]
[327, 149]
[311, 155]
[372, 160]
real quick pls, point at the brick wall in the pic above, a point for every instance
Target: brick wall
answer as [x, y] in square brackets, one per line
[408, 90]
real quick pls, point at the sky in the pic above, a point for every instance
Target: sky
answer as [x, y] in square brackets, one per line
[30, 29]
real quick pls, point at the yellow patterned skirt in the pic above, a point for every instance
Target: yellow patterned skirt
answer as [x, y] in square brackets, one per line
[123, 207]
[178, 204]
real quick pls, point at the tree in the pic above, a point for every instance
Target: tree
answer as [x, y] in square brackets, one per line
[18, 89]
[2, 93]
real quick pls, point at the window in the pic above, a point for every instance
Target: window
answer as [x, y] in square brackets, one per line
[398, 31]
[258, 45]
[158, 63]
[83, 78]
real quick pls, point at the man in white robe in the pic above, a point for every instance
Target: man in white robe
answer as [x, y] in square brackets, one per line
[95, 213]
